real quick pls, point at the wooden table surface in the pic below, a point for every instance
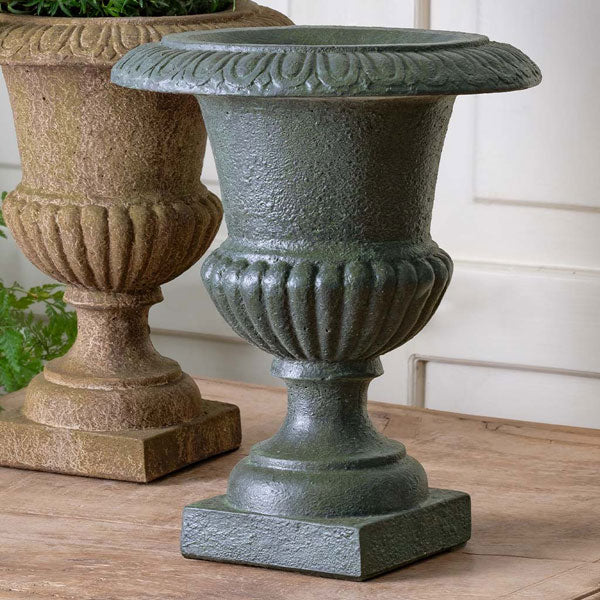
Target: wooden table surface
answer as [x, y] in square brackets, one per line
[536, 519]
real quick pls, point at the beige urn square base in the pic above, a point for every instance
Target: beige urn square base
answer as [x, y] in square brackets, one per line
[135, 455]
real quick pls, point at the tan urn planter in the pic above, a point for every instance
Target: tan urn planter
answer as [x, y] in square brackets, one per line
[112, 205]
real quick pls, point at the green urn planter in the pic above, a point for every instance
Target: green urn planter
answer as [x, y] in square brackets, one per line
[327, 143]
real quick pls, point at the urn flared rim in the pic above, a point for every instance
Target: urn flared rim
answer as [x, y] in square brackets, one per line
[325, 61]
[101, 41]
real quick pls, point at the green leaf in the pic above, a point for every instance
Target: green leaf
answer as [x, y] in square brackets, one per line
[29, 339]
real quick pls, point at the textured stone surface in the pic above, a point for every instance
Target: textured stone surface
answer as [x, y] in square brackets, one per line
[139, 455]
[327, 143]
[300, 290]
[102, 41]
[350, 548]
[328, 61]
[110, 204]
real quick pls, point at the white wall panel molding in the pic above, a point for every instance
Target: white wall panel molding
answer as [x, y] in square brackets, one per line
[217, 359]
[197, 335]
[499, 229]
[538, 204]
[422, 14]
[529, 270]
[517, 315]
[188, 310]
[526, 392]
[529, 319]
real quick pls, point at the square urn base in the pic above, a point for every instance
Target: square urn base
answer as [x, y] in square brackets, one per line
[134, 455]
[345, 548]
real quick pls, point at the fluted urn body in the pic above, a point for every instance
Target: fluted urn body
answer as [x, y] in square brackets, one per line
[111, 204]
[327, 142]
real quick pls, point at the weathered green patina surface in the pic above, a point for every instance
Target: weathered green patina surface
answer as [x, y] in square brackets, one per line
[327, 142]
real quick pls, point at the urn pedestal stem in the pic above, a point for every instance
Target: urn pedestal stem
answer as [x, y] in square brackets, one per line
[327, 141]
[327, 449]
[112, 379]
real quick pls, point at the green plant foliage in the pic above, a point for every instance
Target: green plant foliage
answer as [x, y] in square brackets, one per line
[113, 8]
[27, 339]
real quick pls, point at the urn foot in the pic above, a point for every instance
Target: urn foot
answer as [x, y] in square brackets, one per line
[327, 494]
[138, 455]
[355, 548]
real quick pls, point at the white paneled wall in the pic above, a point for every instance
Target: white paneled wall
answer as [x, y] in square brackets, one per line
[554, 128]
[517, 207]
[543, 395]
[398, 13]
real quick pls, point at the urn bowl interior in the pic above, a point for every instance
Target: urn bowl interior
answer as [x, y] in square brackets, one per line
[321, 38]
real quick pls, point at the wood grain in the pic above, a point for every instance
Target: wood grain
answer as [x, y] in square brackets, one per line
[536, 519]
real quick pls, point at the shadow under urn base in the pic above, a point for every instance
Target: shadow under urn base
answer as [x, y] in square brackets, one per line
[327, 142]
[139, 456]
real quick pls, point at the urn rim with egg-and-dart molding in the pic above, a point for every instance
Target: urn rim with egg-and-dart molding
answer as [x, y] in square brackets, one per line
[111, 204]
[327, 142]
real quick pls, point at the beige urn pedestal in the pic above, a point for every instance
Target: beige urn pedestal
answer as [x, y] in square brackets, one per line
[111, 204]
[138, 455]
[112, 407]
